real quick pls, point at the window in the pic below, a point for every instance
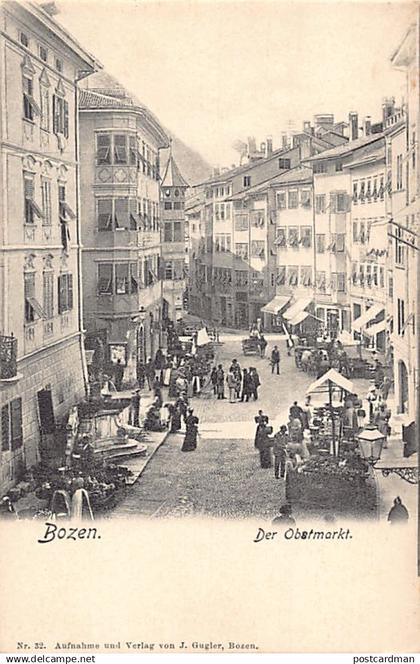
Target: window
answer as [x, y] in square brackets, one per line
[24, 40]
[48, 287]
[399, 172]
[167, 205]
[320, 281]
[292, 275]
[241, 278]
[362, 191]
[121, 279]
[103, 149]
[135, 221]
[104, 212]
[222, 242]
[241, 250]
[338, 165]
[293, 199]
[58, 64]
[257, 218]
[320, 167]
[45, 107]
[375, 275]
[241, 222]
[280, 240]
[284, 164]
[173, 231]
[29, 294]
[381, 277]
[369, 190]
[362, 233]
[178, 205]
[362, 275]
[306, 236]
[30, 207]
[354, 273]
[247, 181]
[293, 236]
[320, 203]
[399, 247]
[305, 198]
[413, 150]
[60, 116]
[320, 243]
[337, 242]
[390, 285]
[5, 427]
[121, 213]
[281, 276]
[134, 279]
[30, 107]
[43, 53]
[400, 316]
[120, 149]
[355, 193]
[46, 202]
[105, 279]
[65, 292]
[381, 191]
[281, 200]
[306, 275]
[339, 202]
[355, 231]
[258, 248]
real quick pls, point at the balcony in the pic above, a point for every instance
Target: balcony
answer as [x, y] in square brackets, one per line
[118, 304]
[115, 174]
[8, 360]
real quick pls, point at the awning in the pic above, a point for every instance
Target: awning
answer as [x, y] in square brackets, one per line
[297, 307]
[346, 339]
[276, 304]
[369, 315]
[202, 337]
[299, 318]
[375, 329]
[333, 376]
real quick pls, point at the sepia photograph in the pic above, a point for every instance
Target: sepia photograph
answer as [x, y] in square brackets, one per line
[209, 270]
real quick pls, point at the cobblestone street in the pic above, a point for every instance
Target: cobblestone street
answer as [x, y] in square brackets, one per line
[223, 476]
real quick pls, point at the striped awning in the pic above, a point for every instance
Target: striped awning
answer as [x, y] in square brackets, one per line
[300, 316]
[297, 307]
[375, 329]
[367, 317]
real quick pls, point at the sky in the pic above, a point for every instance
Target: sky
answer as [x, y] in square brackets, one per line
[214, 71]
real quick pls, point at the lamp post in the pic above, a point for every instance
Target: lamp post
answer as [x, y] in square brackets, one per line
[371, 442]
[141, 360]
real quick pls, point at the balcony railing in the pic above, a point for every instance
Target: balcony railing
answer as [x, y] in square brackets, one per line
[8, 357]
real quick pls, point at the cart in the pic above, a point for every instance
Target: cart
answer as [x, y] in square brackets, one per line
[250, 346]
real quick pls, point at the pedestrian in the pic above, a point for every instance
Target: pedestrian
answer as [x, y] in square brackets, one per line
[220, 382]
[381, 421]
[191, 432]
[150, 373]
[260, 420]
[379, 374]
[118, 374]
[307, 412]
[262, 342]
[275, 360]
[134, 413]
[232, 386]
[386, 386]
[295, 430]
[264, 444]
[254, 382]
[285, 518]
[236, 369]
[157, 392]
[305, 359]
[246, 386]
[372, 398]
[398, 514]
[296, 411]
[174, 417]
[213, 380]
[280, 453]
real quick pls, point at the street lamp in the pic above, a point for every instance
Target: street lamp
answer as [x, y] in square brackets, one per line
[371, 442]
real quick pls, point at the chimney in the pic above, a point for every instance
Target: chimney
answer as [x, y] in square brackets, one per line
[252, 146]
[233, 166]
[262, 148]
[354, 125]
[284, 142]
[269, 146]
[368, 125]
[388, 107]
[216, 171]
[307, 127]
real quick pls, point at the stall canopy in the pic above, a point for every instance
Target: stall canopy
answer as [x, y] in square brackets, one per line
[300, 316]
[375, 329]
[202, 337]
[276, 305]
[297, 307]
[334, 377]
[367, 317]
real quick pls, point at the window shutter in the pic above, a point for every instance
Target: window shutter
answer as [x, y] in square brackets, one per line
[66, 119]
[59, 299]
[5, 428]
[16, 423]
[69, 291]
[55, 115]
[333, 202]
[121, 213]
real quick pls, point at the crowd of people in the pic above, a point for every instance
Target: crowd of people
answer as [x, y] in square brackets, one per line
[242, 384]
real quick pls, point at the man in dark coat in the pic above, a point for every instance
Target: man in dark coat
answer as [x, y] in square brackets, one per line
[255, 382]
[246, 386]
[398, 514]
[279, 450]
[135, 409]
[296, 412]
[118, 374]
[275, 360]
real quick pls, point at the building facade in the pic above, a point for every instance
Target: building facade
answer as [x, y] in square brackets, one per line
[42, 360]
[121, 231]
[172, 209]
[404, 215]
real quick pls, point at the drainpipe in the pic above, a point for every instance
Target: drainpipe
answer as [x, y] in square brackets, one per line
[78, 234]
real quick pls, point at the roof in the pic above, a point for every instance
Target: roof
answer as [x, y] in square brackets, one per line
[172, 176]
[333, 376]
[119, 99]
[347, 148]
[297, 174]
[57, 29]
[370, 158]
[227, 175]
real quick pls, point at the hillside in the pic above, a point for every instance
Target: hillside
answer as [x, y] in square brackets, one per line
[192, 165]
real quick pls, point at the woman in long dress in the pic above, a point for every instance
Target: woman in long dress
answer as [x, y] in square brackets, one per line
[190, 439]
